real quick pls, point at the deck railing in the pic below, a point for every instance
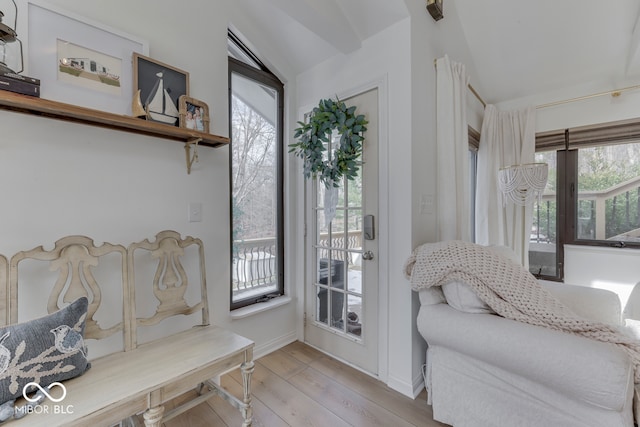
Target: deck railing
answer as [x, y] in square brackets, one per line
[254, 260]
[592, 221]
[254, 264]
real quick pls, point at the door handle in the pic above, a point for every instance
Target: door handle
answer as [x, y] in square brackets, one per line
[367, 256]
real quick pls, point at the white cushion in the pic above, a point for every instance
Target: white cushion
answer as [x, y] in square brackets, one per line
[461, 297]
[429, 296]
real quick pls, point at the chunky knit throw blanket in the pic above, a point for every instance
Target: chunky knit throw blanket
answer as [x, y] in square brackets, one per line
[509, 289]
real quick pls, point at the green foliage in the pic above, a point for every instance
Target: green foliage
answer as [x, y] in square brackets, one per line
[313, 138]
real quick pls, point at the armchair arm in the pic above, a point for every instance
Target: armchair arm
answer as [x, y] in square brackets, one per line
[592, 371]
[599, 305]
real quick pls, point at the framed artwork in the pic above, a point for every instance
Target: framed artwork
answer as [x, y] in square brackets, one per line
[157, 88]
[194, 114]
[78, 61]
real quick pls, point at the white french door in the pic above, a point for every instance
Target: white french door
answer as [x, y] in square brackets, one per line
[341, 302]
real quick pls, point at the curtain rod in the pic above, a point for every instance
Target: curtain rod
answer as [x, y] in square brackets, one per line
[615, 92]
[477, 95]
[471, 88]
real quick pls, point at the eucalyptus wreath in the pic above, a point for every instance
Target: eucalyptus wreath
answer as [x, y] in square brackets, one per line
[314, 136]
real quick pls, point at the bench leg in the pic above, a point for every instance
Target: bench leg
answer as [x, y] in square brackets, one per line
[246, 410]
[153, 416]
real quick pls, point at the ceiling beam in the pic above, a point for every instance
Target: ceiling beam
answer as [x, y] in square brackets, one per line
[325, 19]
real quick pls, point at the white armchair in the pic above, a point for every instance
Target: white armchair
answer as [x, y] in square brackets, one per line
[485, 370]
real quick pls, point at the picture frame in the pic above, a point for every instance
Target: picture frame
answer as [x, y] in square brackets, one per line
[154, 85]
[103, 82]
[194, 114]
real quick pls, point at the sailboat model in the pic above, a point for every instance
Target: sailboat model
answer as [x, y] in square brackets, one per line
[160, 107]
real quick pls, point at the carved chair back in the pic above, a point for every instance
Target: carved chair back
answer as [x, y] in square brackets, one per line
[75, 258]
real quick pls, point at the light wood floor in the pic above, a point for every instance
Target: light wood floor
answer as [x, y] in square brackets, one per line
[299, 386]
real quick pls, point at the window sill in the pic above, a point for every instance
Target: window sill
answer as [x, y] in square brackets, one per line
[260, 307]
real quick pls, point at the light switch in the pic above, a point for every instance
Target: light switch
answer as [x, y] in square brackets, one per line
[195, 212]
[426, 204]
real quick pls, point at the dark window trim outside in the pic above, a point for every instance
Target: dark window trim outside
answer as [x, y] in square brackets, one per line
[267, 78]
[246, 51]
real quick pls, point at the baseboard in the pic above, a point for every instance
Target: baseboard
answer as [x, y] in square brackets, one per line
[418, 384]
[274, 344]
[409, 390]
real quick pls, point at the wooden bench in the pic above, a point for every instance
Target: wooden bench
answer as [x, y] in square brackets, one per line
[138, 378]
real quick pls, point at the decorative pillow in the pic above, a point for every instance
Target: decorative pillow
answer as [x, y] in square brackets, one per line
[461, 297]
[43, 350]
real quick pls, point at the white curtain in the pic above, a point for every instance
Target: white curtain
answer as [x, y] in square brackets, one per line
[507, 138]
[452, 151]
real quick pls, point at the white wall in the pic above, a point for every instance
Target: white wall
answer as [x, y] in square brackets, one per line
[614, 269]
[599, 109]
[63, 178]
[429, 40]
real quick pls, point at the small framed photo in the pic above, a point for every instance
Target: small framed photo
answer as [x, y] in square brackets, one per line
[194, 114]
[158, 88]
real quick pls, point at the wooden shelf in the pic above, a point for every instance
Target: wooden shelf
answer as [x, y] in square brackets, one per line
[60, 111]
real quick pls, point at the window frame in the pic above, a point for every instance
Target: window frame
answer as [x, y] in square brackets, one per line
[566, 143]
[265, 77]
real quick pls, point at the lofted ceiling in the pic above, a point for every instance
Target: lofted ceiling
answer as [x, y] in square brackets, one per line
[518, 48]
[521, 48]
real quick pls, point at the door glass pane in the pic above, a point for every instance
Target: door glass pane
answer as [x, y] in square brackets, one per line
[323, 275]
[355, 228]
[542, 244]
[322, 228]
[608, 193]
[322, 306]
[354, 315]
[254, 188]
[337, 225]
[354, 279]
[337, 310]
[339, 269]
[355, 191]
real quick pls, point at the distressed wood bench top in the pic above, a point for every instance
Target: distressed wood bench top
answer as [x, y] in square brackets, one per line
[138, 378]
[124, 383]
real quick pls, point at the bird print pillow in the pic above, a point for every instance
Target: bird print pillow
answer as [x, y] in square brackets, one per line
[43, 350]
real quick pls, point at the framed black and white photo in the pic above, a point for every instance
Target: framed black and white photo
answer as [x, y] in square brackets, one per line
[158, 88]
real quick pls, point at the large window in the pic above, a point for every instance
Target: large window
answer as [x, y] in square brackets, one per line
[256, 156]
[593, 194]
